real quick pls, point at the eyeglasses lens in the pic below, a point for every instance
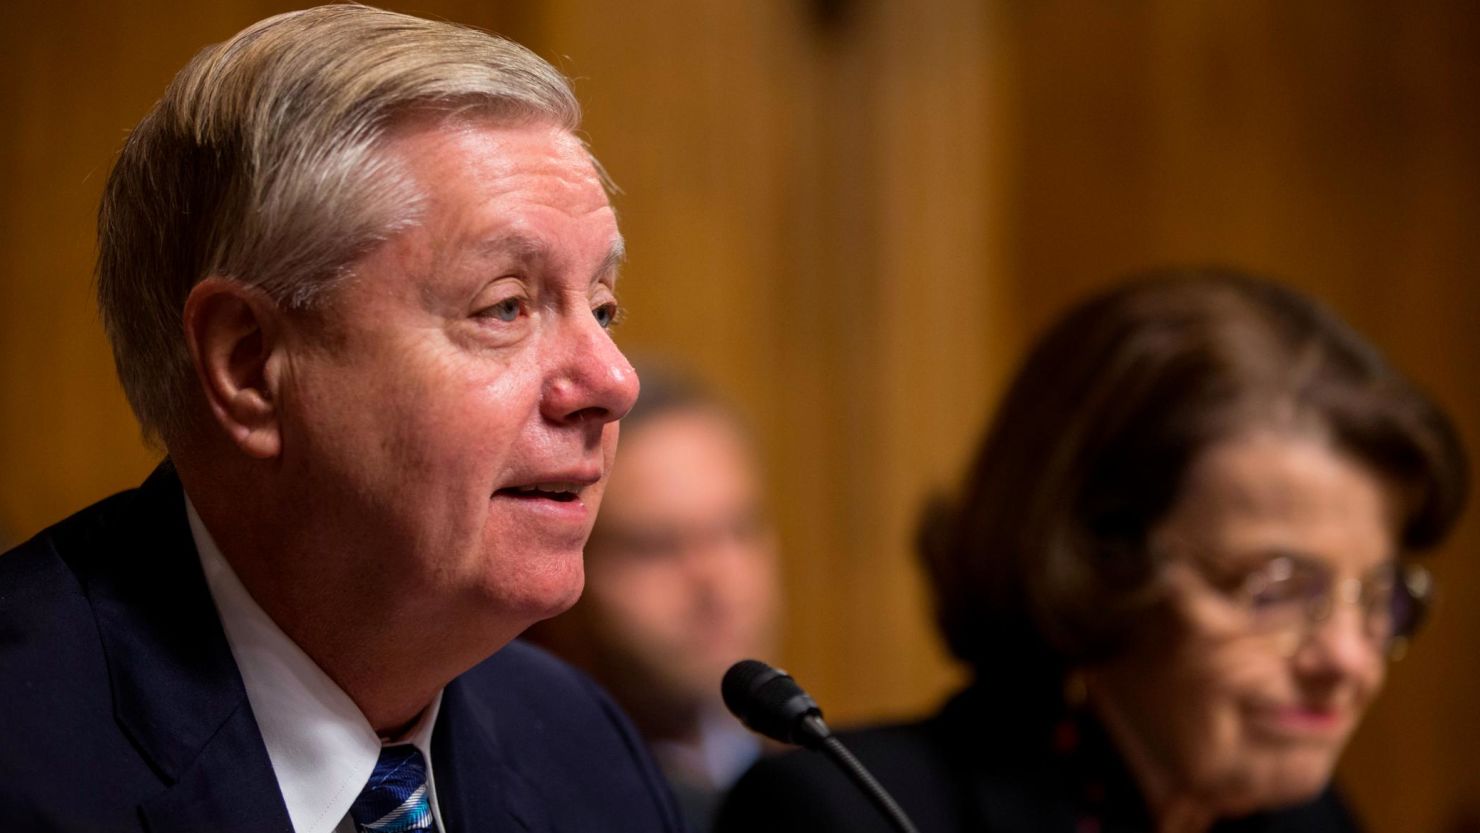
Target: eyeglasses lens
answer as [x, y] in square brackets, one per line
[1287, 594]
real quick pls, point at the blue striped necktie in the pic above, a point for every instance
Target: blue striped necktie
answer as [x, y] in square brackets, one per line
[396, 798]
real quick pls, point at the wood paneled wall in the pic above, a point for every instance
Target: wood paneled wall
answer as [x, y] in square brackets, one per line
[852, 216]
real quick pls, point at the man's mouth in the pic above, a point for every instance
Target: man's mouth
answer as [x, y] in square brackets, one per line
[562, 492]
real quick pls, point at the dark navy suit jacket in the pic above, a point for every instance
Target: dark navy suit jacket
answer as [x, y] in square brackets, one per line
[121, 708]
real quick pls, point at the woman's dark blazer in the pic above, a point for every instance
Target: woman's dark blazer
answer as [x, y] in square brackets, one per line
[979, 765]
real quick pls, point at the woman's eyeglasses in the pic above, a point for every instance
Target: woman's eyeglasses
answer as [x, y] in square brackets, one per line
[1290, 595]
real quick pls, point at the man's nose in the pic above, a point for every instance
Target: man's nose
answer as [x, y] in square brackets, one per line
[592, 381]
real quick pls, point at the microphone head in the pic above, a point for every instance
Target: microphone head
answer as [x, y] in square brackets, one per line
[771, 703]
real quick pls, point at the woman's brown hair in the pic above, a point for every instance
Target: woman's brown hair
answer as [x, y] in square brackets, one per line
[1040, 564]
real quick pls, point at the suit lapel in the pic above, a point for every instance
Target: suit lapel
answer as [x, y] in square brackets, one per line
[228, 788]
[478, 790]
[177, 692]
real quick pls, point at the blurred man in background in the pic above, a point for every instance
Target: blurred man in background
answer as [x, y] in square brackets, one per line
[680, 583]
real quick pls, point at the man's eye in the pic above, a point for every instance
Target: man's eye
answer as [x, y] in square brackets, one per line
[506, 310]
[607, 315]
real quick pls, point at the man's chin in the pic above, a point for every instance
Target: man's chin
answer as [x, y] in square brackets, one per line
[538, 596]
[559, 599]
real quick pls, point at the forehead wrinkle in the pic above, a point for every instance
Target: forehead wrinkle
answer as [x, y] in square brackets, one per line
[525, 248]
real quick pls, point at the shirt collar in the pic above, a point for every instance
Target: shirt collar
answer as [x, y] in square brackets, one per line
[321, 746]
[717, 759]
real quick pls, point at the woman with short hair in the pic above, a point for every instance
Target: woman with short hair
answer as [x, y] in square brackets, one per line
[1177, 569]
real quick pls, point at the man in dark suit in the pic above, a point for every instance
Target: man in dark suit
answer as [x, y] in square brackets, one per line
[680, 584]
[357, 270]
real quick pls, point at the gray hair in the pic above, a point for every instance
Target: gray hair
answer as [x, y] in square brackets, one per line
[261, 164]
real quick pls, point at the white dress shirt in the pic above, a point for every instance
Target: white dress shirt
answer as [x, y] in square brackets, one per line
[723, 752]
[321, 746]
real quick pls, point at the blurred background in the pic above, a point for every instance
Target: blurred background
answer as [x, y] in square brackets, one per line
[852, 215]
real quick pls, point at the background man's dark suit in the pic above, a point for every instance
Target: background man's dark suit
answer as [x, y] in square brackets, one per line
[115, 675]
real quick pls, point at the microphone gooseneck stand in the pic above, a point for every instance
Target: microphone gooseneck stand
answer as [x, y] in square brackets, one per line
[769, 701]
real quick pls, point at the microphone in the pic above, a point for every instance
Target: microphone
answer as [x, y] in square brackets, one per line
[769, 702]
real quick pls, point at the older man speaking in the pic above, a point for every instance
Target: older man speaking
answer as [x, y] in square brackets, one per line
[358, 273]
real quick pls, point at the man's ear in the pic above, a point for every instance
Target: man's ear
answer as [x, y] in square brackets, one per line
[233, 332]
